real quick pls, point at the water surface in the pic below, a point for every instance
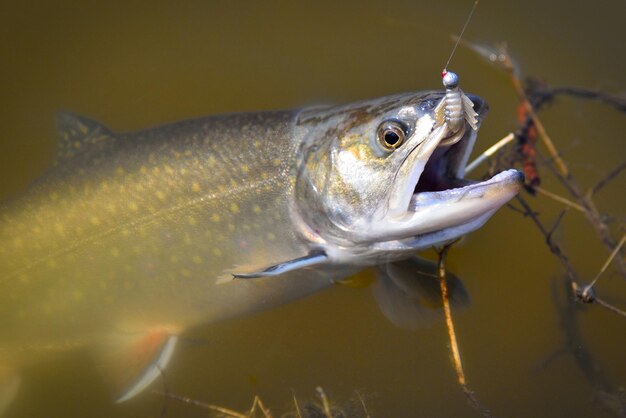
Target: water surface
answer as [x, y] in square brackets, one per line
[134, 64]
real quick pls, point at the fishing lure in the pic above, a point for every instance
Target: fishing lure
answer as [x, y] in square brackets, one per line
[455, 108]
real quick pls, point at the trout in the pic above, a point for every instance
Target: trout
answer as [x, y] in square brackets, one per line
[131, 238]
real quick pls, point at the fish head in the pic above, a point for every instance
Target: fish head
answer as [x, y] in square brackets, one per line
[380, 178]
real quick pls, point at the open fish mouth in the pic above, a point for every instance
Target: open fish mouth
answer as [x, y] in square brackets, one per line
[439, 197]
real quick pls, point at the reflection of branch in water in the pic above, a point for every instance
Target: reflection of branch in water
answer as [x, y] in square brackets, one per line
[610, 397]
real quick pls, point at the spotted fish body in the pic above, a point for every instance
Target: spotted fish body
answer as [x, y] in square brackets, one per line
[135, 232]
[130, 230]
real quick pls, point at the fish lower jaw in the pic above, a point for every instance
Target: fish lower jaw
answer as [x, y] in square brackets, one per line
[438, 210]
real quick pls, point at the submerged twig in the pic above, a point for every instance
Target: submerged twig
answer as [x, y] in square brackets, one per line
[367, 414]
[606, 179]
[325, 403]
[454, 346]
[215, 408]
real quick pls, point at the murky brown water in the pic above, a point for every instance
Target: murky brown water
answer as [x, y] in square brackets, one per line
[138, 64]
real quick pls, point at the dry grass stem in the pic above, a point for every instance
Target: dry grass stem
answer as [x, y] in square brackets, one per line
[558, 198]
[489, 152]
[608, 260]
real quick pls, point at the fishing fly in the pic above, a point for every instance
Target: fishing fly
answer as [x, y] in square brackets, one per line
[455, 108]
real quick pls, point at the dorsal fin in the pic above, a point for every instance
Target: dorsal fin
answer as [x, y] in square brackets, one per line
[77, 133]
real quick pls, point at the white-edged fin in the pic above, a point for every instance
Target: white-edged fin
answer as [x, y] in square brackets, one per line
[9, 386]
[312, 259]
[409, 295]
[152, 370]
[133, 360]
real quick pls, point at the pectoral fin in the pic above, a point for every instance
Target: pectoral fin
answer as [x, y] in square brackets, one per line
[409, 295]
[133, 362]
[312, 259]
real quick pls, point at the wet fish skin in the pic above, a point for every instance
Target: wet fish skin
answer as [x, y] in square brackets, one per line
[141, 233]
[136, 229]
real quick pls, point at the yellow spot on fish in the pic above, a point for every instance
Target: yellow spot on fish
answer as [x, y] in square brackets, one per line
[211, 161]
[245, 169]
[51, 263]
[112, 208]
[95, 220]
[77, 294]
[54, 196]
[191, 221]
[215, 217]
[271, 236]
[195, 187]
[197, 259]
[256, 209]
[231, 227]
[143, 169]
[125, 232]
[168, 169]
[160, 195]
[18, 242]
[217, 252]
[234, 208]
[24, 279]
[115, 252]
[133, 206]
[185, 273]
[120, 171]
[276, 162]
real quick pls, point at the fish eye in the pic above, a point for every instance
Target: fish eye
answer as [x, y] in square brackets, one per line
[391, 134]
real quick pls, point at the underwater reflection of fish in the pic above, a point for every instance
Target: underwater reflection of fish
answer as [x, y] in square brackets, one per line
[409, 294]
[131, 238]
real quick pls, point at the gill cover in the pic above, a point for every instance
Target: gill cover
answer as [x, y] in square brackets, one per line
[350, 177]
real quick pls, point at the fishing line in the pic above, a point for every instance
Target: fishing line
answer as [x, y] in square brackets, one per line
[458, 39]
